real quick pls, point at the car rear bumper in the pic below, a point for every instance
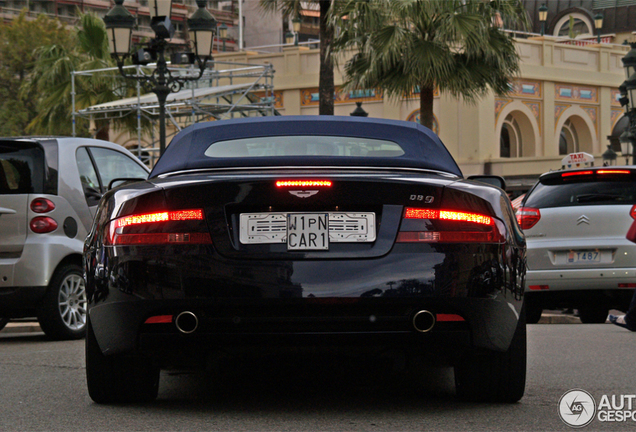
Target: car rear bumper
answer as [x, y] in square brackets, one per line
[355, 323]
[17, 302]
[580, 279]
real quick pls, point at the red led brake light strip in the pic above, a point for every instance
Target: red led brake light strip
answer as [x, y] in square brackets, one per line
[303, 183]
[599, 172]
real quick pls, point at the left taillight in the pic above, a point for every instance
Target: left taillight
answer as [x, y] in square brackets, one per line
[451, 226]
[165, 227]
[631, 233]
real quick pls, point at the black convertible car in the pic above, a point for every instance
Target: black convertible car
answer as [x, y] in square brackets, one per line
[325, 232]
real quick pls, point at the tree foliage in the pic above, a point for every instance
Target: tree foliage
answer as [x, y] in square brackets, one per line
[52, 74]
[17, 61]
[326, 86]
[403, 46]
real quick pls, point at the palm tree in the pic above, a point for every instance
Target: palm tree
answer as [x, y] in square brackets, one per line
[52, 78]
[326, 89]
[456, 46]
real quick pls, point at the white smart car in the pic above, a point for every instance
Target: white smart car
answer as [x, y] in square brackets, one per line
[49, 191]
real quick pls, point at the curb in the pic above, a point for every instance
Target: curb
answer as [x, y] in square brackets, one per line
[21, 327]
[559, 319]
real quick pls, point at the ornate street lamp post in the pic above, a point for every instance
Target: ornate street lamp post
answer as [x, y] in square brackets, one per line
[598, 25]
[119, 23]
[296, 27]
[543, 17]
[223, 34]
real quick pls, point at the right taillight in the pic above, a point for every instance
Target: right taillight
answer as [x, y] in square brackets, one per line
[164, 227]
[528, 217]
[452, 226]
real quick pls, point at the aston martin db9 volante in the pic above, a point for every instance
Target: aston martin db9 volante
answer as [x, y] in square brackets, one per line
[304, 232]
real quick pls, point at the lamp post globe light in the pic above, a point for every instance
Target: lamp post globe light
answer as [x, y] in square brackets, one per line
[628, 99]
[119, 23]
[609, 157]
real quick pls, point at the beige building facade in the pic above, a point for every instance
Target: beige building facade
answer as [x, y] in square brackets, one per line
[563, 101]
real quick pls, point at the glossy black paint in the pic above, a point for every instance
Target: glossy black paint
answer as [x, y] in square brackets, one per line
[355, 294]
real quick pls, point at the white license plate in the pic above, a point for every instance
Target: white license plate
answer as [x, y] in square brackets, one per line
[308, 231]
[581, 257]
[269, 228]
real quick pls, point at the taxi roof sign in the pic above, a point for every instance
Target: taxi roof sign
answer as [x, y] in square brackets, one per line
[577, 160]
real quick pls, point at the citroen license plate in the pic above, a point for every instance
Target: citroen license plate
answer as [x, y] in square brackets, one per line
[308, 231]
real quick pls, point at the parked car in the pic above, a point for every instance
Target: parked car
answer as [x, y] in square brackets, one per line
[49, 190]
[322, 232]
[581, 244]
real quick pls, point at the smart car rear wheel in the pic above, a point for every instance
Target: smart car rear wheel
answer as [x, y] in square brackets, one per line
[118, 378]
[495, 376]
[62, 314]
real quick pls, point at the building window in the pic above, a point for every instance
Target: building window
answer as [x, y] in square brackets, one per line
[568, 139]
[510, 141]
[573, 25]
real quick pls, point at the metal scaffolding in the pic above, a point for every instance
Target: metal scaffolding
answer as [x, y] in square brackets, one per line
[226, 90]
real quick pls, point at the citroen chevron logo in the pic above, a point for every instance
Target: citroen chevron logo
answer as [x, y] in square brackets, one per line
[304, 193]
[583, 219]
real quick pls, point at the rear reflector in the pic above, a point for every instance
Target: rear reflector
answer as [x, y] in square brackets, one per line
[627, 285]
[303, 183]
[161, 238]
[447, 237]
[449, 317]
[159, 319]
[539, 287]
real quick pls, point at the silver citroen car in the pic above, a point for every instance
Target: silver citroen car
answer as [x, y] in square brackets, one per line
[49, 191]
[580, 227]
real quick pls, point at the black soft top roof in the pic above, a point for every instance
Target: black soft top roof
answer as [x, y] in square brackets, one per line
[422, 148]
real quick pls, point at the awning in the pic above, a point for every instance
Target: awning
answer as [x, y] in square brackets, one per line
[183, 97]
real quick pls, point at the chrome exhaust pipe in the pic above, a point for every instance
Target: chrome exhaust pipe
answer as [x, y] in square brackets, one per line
[423, 321]
[186, 322]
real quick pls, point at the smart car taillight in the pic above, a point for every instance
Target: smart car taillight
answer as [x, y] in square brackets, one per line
[166, 227]
[43, 224]
[452, 226]
[528, 217]
[42, 205]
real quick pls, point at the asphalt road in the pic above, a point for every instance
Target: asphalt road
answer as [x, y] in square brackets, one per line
[42, 387]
